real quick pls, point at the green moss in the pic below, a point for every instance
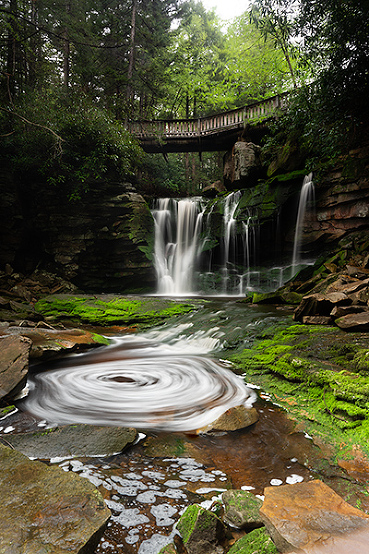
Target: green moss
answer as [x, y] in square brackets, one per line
[258, 541]
[361, 360]
[100, 339]
[196, 520]
[6, 410]
[108, 310]
[313, 372]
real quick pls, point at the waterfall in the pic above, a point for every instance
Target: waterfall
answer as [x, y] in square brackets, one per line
[178, 226]
[203, 247]
[307, 199]
[230, 240]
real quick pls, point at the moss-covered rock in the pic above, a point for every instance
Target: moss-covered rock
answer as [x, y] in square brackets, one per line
[201, 530]
[241, 509]
[324, 370]
[258, 541]
[109, 309]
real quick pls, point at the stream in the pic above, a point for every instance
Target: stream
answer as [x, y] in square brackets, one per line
[167, 382]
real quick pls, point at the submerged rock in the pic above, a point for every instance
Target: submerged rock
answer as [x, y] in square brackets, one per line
[241, 509]
[13, 365]
[45, 509]
[73, 440]
[311, 517]
[233, 419]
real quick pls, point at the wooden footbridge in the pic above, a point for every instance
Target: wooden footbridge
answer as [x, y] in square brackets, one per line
[207, 134]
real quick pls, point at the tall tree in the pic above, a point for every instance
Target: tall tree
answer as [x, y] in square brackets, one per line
[275, 19]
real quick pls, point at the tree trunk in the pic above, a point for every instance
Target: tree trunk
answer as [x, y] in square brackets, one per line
[66, 48]
[12, 50]
[131, 53]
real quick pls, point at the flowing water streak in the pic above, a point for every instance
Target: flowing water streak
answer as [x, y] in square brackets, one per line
[151, 382]
[178, 225]
[307, 198]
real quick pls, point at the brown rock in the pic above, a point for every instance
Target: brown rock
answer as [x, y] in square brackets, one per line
[317, 320]
[45, 509]
[242, 509]
[339, 298]
[73, 440]
[354, 321]
[339, 311]
[312, 518]
[213, 189]
[13, 365]
[235, 418]
[48, 342]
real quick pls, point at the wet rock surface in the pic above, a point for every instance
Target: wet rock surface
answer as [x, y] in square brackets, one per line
[50, 342]
[233, 419]
[202, 531]
[46, 510]
[242, 509]
[311, 517]
[73, 440]
[13, 365]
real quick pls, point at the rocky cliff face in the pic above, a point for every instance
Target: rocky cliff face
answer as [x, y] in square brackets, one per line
[101, 244]
[341, 198]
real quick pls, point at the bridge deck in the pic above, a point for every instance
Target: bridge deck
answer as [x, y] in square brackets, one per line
[203, 134]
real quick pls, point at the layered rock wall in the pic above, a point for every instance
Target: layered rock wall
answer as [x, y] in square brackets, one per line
[341, 198]
[101, 243]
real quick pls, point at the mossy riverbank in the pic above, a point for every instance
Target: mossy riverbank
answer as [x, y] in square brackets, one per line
[320, 376]
[106, 310]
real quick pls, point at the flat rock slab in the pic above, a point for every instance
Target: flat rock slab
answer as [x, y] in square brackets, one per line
[44, 509]
[311, 518]
[354, 321]
[14, 352]
[73, 440]
[47, 343]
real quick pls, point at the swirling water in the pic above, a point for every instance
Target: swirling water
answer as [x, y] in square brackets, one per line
[163, 379]
[167, 379]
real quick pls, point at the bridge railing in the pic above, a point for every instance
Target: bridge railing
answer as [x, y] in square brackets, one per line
[163, 128]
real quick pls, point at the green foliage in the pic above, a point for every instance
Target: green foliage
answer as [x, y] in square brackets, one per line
[73, 142]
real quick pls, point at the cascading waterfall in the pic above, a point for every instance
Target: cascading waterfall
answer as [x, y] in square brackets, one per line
[230, 245]
[178, 226]
[185, 264]
[307, 199]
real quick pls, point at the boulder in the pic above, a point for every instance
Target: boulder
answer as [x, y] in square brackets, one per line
[73, 440]
[311, 518]
[49, 342]
[317, 320]
[242, 164]
[339, 311]
[201, 530]
[45, 509]
[256, 542]
[320, 304]
[233, 419]
[241, 509]
[354, 321]
[13, 365]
